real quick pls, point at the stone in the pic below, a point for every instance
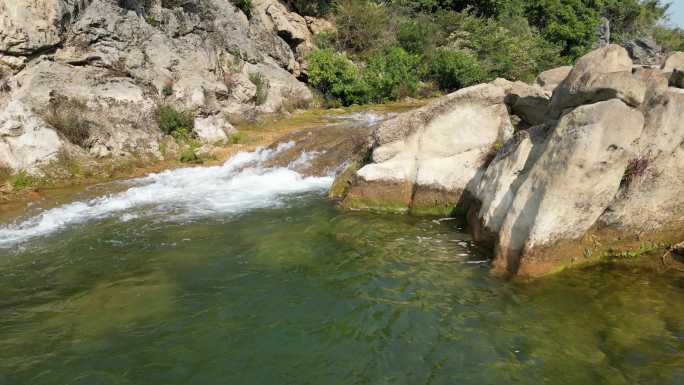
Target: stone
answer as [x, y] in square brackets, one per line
[644, 51]
[602, 74]
[550, 79]
[497, 187]
[679, 248]
[530, 103]
[575, 178]
[674, 61]
[677, 78]
[25, 140]
[423, 160]
[319, 25]
[31, 26]
[213, 129]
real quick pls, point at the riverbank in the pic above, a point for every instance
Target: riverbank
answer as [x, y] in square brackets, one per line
[18, 191]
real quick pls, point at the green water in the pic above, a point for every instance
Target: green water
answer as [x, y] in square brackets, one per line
[305, 294]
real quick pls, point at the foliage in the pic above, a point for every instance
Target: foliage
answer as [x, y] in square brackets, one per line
[179, 124]
[361, 24]
[189, 155]
[23, 180]
[671, 39]
[238, 137]
[262, 87]
[68, 117]
[417, 36]
[245, 6]
[336, 77]
[391, 74]
[454, 69]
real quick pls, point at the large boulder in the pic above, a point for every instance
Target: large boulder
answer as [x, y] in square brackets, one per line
[213, 129]
[530, 103]
[569, 186]
[423, 160]
[550, 79]
[602, 74]
[674, 61]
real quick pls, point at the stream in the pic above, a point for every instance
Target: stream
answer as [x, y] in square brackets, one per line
[246, 273]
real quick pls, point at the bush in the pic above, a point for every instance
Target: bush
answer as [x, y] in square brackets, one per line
[361, 24]
[337, 77]
[238, 137]
[453, 69]
[67, 117]
[179, 124]
[392, 74]
[245, 6]
[23, 180]
[310, 7]
[262, 87]
[417, 37]
[188, 155]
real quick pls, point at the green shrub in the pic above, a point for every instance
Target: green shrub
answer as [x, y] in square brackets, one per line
[453, 69]
[23, 180]
[68, 117]
[262, 87]
[245, 6]
[188, 155]
[238, 137]
[671, 39]
[336, 77]
[392, 74]
[310, 7]
[179, 124]
[361, 24]
[167, 89]
[417, 36]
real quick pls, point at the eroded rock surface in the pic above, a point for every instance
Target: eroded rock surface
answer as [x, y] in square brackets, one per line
[113, 63]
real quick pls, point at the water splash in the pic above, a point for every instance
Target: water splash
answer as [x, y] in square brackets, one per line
[240, 184]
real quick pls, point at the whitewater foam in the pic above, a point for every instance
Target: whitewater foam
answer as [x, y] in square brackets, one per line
[240, 184]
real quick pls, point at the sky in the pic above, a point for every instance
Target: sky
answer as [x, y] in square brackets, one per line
[677, 13]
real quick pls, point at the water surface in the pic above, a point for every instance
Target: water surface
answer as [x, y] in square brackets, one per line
[248, 275]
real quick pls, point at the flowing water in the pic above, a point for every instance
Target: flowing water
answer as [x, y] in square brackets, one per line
[243, 274]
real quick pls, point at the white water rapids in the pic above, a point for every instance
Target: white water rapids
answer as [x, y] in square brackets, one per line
[240, 184]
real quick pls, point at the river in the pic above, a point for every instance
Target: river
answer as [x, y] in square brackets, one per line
[247, 274]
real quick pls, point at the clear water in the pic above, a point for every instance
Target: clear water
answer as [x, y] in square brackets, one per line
[248, 275]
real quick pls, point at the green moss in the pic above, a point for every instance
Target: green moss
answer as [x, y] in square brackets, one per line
[23, 180]
[373, 205]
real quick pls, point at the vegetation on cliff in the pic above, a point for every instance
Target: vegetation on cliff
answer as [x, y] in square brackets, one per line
[414, 47]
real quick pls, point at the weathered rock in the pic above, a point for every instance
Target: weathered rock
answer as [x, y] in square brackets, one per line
[31, 26]
[603, 74]
[549, 80]
[497, 187]
[679, 248]
[530, 103]
[644, 51]
[213, 129]
[674, 61]
[121, 59]
[25, 140]
[318, 25]
[566, 190]
[424, 160]
[649, 198]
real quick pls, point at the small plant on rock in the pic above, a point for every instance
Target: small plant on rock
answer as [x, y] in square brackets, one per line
[68, 117]
[262, 87]
[23, 180]
[179, 124]
[637, 169]
[245, 6]
[167, 89]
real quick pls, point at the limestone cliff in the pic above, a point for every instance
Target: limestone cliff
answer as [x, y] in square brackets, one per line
[105, 66]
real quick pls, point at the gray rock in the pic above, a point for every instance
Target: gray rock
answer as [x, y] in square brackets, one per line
[530, 103]
[644, 51]
[549, 80]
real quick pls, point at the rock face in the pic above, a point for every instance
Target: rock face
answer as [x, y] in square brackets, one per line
[599, 171]
[549, 80]
[644, 51]
[423, 160]
[123, 59]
